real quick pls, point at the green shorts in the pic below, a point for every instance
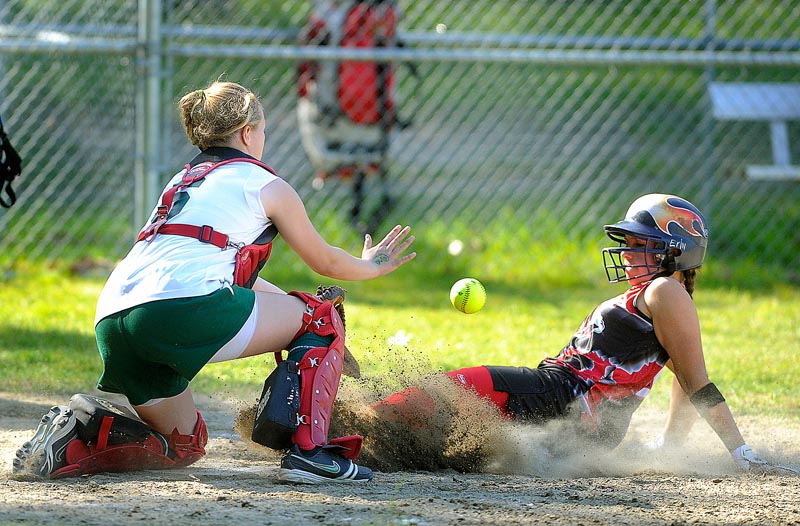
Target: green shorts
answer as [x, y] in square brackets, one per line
[153, 350]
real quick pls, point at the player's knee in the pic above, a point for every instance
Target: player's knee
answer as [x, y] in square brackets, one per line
[411, 407]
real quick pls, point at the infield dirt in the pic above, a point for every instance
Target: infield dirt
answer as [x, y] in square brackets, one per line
[236, 483]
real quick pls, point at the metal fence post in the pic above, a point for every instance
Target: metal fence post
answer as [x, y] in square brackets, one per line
[711, 161]
[148, 110]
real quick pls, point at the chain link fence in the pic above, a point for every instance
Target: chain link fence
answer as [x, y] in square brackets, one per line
[538, 114]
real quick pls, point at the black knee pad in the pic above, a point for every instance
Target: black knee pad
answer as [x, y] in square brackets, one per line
[276, 418]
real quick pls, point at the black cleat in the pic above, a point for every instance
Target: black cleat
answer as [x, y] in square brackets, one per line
[45, 452]
[320, 465]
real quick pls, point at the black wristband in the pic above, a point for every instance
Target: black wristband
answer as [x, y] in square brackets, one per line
[707, 397]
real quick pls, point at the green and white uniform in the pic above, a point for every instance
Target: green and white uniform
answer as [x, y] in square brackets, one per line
[169, 307]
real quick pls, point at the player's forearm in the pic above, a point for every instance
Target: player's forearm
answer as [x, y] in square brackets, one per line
[721, 420]
[682, 416]
[341, 265]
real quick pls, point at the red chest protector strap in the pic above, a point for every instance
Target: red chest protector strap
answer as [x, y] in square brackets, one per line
[204, 233]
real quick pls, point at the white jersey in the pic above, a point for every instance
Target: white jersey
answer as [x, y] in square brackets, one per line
[171, 266]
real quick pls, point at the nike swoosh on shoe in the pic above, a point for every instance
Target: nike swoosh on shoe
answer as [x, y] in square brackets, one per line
[332, 468]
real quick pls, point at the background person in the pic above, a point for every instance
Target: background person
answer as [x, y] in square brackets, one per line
[10, 168]
[180, 299]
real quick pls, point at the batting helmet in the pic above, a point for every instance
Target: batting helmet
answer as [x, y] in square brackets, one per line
[673, 229]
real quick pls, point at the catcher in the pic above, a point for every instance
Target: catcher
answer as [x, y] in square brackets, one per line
[602, 375]
[188, 294]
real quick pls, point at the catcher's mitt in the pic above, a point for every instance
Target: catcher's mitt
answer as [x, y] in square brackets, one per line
[335, 294]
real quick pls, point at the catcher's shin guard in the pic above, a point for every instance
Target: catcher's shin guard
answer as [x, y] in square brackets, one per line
[319, 372]
[111, 438]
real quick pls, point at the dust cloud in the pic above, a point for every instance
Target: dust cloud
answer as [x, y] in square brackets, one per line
[442, 426]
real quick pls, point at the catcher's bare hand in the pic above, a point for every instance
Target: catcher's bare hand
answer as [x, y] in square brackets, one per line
[388, 254]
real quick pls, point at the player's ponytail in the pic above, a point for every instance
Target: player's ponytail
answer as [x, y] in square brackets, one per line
[688, 280]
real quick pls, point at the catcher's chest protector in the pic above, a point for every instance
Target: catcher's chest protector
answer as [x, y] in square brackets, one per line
[111, 438]
[250, 258]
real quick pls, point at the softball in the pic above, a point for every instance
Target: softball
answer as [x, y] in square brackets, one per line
[468, 295]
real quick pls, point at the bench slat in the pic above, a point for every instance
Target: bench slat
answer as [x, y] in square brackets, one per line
[755, 101]
[773, 173]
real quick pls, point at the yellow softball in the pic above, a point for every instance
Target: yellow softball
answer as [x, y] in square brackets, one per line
[468, 295]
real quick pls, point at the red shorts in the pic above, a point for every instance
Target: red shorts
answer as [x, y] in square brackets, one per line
[479, 380]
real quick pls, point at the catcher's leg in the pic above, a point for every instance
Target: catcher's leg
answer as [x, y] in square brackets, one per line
[320, 368]
[309, 382]
[94, 435]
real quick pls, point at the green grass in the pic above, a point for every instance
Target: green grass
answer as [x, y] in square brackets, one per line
[750, 336]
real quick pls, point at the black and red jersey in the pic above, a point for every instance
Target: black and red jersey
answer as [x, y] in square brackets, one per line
[614, 354]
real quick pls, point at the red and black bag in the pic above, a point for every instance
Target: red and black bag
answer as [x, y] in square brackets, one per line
[363, 91]
[347, 109]
[250, 258]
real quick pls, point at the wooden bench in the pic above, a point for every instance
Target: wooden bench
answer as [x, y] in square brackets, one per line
[776, 103]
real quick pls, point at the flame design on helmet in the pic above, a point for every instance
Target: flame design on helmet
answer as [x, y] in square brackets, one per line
[678, 211]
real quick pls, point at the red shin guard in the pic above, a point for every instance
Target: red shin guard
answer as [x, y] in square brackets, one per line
[154, 452]
[320, 373]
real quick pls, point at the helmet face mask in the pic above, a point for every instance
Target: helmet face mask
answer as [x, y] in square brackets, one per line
[656, 259]
[672, 236]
